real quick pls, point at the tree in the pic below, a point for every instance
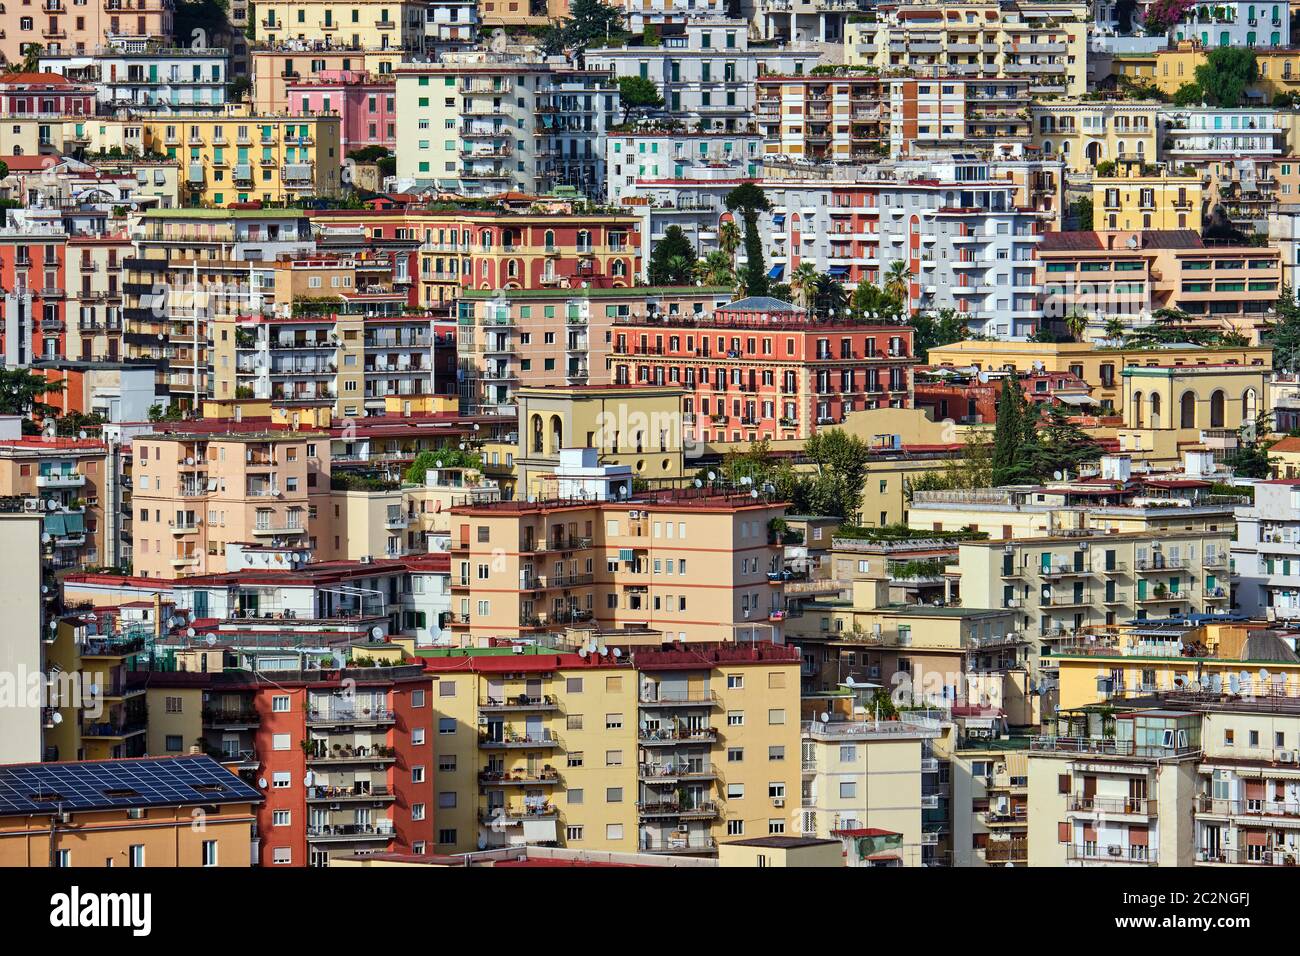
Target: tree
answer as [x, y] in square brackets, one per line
[803, 283]
[672, 261]
[1226, 74]
[4, 169]
[1115, 329]
[897, 279]
[829, 298]
[870, 302]
[638, 93]
[715, 269]
[1081, 210]
[1250, 459]
[1057, 445]
[21, 389]
[1189, 94]
[1283, 335]
[749, 200]
[444, 457]
[729, 240]
[589, 21]
[932, 330]
[1008, 433]
[172, 413]
[1076, 323]
[839, 469]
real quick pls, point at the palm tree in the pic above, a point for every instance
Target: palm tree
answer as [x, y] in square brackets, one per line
[831, 299]
[1076, 323]
[1115, 328]
[679, 270]
[714, 269]
[897, 278]
[803, 283]
[729, 240]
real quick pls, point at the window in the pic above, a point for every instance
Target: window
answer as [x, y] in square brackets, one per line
[775, 827]
[282, 855]
[613, 758]
[136, 854]
[735, 681]
[776, 716]
[573, 685]
[417, 811]
[572, 834]
[417, 775]
[575, 758]
[1063, 783]
[280, 704]
[446, 837]
[735, 718]
[613, 794]
[417, 736]
[209, 852]
[173, 705]
[576, 796]
[573, 722]
[447, 763]
[735, 828]
[735, 791]
[848, 789]
[281, 742]
[613, 831]
[175, 743]
[417, 698]
[447, 800]
[776, 790]
[281, 818]
[735, 754]
[613, 721]
[281, 780]
[776, 753]
[446, 725]
[446, 688]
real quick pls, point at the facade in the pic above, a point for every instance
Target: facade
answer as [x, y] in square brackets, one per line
[66, 28]
[1083, 133]
[194, 495]
[762, 368]
[665, 751]
[1263, 553]
[366, 105]
[668, 157]
[23, 652]
[363, 25]
[68, 481]
[1134, 201]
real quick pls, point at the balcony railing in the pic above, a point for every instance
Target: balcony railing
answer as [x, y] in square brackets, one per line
[1138, 806]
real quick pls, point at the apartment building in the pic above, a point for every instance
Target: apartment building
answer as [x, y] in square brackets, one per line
[61, 26]
[637, 160]
[94, 303]
[194, 495]
[144, 77]
[1213, 404]
[366, 105]
[958, 113]
[272, 70]
[1114, 793]
[1083, 133]
[638, 430]
[1133, 201]
[1198, 135]
[521, 338]
[1236, 23]
[704, 69]
[1099, 366]
[484, 128]
[1132, 275]
[1044, 42]
[1264, 552]
[347, 754]
[607, 561]
[615, 750]
[356, 24]
[967, 233]
[862, 777]
[130, 813]
[191, 269]
[23, 651]
[989, 776]
[33, 277]
[66, 480]
[824, 118]
[1062, 585]
[759, 367]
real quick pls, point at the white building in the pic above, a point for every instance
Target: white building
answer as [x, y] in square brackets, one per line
[1237, 23]
[705, 70]
[1266, 552]
[1201, 134]
[179, 78]
[665, 156]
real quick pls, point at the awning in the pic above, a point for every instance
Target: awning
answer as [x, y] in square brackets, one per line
[838, 271]
[776, 272]
[55, 525]
[778, 219]
[75, 523]
[1076, 399]
[539, 831]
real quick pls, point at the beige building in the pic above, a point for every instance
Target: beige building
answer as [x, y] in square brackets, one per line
[665, 751]
[194, 495]
[21, 652]
[68, 482]
[1170, 408]
[1134, 199]
[1083, 133]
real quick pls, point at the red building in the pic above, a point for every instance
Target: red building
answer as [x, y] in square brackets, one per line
[44, 94]
[343, 757]
[761, 368]
[33, 260]
[970, 399]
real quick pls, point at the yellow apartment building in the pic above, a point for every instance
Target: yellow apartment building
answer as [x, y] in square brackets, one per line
[1044, 42]
[1099, 365]
[641, 427]
[1119, 795]
[658, 750]
[866, 774]
[1279, 68]
[694, 565]
[1083, 133]
[353, 24]
[195, 494]
[521, 13]
[235, 156]
[1169, 408]
[1131, 199]
[990, 793]
[1059, 586]
[273, 70]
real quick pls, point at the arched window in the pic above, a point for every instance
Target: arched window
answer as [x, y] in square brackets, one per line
[549, 240]
[512, 268]
[537, 435]
[1137, 410]
[1155, 409]
[1187, 411]
[1249, 405]
[620, 268]
[1216, 409]
[557, 434]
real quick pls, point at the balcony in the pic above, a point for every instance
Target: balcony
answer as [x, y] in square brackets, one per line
[61, 479]
[1259, 812]
[668, 809]
[1111, 806]
[278, 531]
[546, 777]
[519, 703]
[340, 755]
[349, 833]
[546, 741]
[1114, 853]
[708, 698]
[513, 816]
[681, 845]
[359, 793]
[675, 738]
[667, 775]
[349, 716]
[231, 718]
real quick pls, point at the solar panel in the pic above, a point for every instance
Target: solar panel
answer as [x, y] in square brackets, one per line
[105, 784]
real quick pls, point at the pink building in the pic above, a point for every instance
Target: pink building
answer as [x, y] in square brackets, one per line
[366, 104]
[44, 94]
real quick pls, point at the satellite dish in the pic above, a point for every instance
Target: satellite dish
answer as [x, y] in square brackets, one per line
[376, 632]
[848, 681]
[698, 483]
[1263, 676]
[826, 717]
[582, 652]
[51, 504]
[604, 652]
[211, 640]
[713, 476]
[1205, 681]
[1216, 683]
[189, 632]
[261, 782]
[57, 717]
[82, 434]
[1058, 475]
[617, 653]
[1234, 684]
[754, 493]
[438, 463]
[983, 377]
[482, 841]
[309, 779]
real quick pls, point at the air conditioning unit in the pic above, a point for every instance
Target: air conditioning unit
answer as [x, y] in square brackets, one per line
[778, 802]
[366, 559]
[1286, 756]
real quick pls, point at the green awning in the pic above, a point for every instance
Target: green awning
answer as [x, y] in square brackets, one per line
[55, 525]
[75, 523]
